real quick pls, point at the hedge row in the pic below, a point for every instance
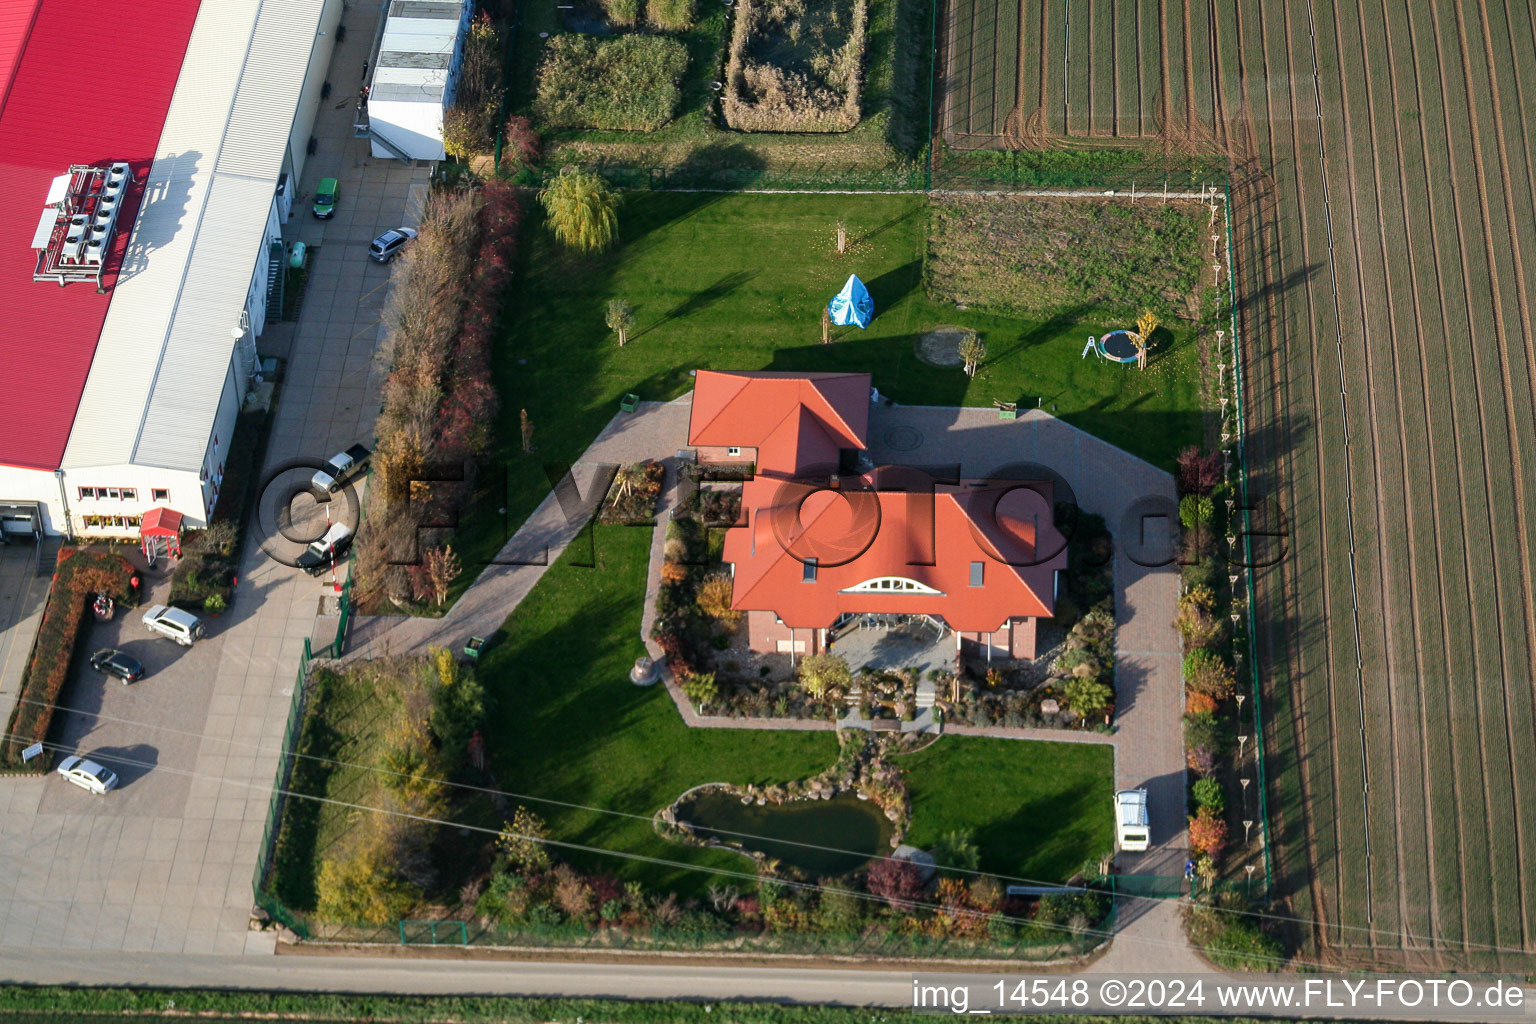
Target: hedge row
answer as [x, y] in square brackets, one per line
[79, 575]
[439, 401]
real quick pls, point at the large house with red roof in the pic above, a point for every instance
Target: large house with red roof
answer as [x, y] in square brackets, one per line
[821, 543]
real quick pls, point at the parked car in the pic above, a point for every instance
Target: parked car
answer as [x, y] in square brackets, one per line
[182, 626]
[325, 198]
[331, 544]
[340, 468]
[113, 662]
[1132, 826]
[88, 775]
[389, 244]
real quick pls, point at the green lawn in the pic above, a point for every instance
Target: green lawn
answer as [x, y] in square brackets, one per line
[568, 726]
[1040, 810]
[737, 282]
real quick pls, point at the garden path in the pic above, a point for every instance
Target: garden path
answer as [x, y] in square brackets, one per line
[653, 429]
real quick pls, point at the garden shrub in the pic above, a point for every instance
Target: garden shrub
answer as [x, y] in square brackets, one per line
[670, 15]
[1242, 945]
[1207, 833]
[1199, 472]
[1209, 794]
[715, 600]
[1204, 730]
[796, 65]
[702, 689]
[1196, 620]
[898, 882]
[1206, 672]
[79, 575]
[623, 13]
[624, 83]
[1195, 510]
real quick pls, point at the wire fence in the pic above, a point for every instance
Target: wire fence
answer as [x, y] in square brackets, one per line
[1252, 602]
[264, 899]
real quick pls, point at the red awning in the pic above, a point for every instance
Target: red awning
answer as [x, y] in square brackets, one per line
[160, 522]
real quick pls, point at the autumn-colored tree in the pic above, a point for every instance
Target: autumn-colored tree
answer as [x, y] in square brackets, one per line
[1207, 833]
[362, 887]
[1199, 472]
[1196, 620]
[519, 143]
[581, 210]
[1208, 673]
[526, 426]
[673, 572]
[1196, 703]
[1146, 324]
[522, 840]
[443, 567]
[715, 599]
[898, 882]
[620, 318]
[822, 673]
[972, 351]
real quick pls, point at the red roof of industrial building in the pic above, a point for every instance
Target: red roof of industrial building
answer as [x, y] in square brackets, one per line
[84, 88]
[874, 527]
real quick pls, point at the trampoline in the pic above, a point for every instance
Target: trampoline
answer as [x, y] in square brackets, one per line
[1119, 347]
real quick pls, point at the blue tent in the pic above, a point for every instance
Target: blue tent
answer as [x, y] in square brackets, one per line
[852, 305]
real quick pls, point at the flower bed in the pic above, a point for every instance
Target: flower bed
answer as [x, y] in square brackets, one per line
[796, 66]
[80, 574]
[632, 496]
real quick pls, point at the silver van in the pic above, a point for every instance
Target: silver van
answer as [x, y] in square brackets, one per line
[181, 626]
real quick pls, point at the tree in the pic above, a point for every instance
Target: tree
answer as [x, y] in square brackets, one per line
[1207, 833]
[714, 599]
[1146, 324]
[464, 132]
[581, 210]
[1087, 696]
[842, 237]
[362, 887]
[527, 429]
[522, 840]
[1199, 472]
[443, 568]
[972, 351]
[898, 882]
[520, 143]
[1208, 793]
[620, 318]
[957, 849]
[822, 673]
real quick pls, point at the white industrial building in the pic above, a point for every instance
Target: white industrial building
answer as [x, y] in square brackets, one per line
[414, 74]
[185, 295]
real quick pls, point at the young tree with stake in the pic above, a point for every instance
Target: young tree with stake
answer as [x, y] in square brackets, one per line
[621, 317]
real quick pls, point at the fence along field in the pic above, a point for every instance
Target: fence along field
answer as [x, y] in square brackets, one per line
[1387, 318]
[1028, 74]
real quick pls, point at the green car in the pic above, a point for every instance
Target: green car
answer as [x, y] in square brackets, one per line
[325, 198]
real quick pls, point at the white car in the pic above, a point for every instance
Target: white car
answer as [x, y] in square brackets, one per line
[88, 775]
[181, 626]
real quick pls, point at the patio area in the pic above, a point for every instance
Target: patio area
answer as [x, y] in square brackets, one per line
[894, 642]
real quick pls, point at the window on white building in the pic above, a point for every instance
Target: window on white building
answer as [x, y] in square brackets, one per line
[159, 494]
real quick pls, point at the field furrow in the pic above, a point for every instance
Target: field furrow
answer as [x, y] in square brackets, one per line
[1054, 54]
[1126, 70]
[1197, 68]
[1150, 33]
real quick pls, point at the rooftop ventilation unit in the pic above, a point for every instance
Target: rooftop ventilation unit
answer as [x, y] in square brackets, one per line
[78, 222]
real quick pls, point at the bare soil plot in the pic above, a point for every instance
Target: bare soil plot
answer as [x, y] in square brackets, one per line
[1028, 74]
[1384, 167]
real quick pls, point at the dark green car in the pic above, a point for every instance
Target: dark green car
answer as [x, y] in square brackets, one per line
[325, 198]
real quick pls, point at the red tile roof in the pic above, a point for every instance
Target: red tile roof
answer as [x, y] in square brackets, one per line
[872, 528]
[53, 117]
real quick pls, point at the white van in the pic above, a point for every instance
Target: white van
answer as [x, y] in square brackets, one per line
[1133, 830]
[181, 626]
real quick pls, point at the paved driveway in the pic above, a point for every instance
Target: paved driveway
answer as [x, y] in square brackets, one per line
[1149, 748]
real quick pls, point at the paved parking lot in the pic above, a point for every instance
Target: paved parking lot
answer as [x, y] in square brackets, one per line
[165, 862]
